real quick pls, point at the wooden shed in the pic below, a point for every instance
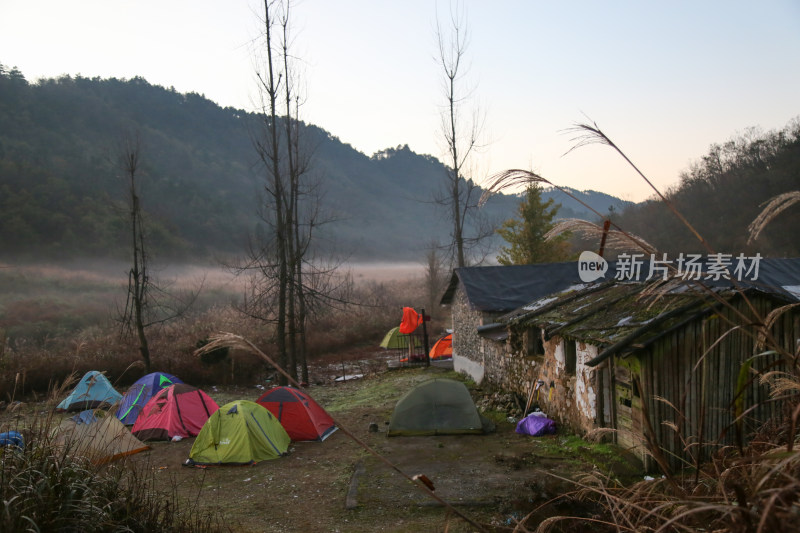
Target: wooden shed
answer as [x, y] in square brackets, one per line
[668, 368]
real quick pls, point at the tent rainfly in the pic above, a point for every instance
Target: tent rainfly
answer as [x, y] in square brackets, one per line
[394, 340]
[96, 435]
[140, 393]
[92, 391]
[437, 407]
[443, 348]
[177, 411]
[239, 432]
[301, 417]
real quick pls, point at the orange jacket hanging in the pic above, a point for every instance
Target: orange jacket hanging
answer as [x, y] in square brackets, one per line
[410, 321]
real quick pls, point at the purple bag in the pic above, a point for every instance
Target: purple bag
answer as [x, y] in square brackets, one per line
[536, 426]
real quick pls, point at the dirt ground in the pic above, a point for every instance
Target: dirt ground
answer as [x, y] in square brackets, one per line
[339, 486]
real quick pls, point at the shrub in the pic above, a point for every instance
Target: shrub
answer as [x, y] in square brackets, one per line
[43, 488]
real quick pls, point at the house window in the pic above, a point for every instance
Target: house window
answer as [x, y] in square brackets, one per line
[624, 394]
[534, 345]
[570, 356]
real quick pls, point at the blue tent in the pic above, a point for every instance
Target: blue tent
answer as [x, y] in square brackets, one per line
[13, 439]
[140, 392]
[92, 391]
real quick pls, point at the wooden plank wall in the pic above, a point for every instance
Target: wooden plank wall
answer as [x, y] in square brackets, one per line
[674, 369]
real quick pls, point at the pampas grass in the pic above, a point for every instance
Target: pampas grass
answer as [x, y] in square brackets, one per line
[522, 178]
[757, 493]
[615, 239]
[774, 207]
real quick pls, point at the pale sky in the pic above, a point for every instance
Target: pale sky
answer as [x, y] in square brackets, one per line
[664, 80]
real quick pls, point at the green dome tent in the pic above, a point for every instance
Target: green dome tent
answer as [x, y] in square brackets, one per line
[437, 407]
[239, 432]
[394, 340]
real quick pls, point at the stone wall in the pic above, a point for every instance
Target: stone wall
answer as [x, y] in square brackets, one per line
[467, 351]
[585, 385]
[567, 397]
[507, 365]
[509, 369]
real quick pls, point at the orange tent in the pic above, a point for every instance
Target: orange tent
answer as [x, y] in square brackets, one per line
[443, 349]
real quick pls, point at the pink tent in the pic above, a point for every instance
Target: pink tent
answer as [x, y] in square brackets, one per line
[177, 411]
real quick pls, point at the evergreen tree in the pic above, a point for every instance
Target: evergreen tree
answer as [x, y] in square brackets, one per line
[525, 234]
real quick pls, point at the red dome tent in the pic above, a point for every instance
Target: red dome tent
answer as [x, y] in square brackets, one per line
[177, 411]
[300, 416]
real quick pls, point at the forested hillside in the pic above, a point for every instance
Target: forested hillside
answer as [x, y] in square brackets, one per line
[62, 189]
[723, 192]
[62, 194]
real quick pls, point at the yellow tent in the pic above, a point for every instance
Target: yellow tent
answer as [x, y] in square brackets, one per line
[394, 340]
[97, 436]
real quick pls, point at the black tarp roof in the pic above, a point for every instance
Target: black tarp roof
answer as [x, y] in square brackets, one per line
[609, 312]
[499, 289]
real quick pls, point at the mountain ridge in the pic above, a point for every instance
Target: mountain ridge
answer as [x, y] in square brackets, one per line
[61, 192]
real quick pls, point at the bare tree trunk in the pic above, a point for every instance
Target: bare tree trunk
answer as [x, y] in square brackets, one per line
[434, 276]
[292, 250]
[297, 241]
[455, 178]
[137, 277]
[144, 307]
[271, 87]
[299, 280]
[278, 287]
[460, 140]
[301, 325]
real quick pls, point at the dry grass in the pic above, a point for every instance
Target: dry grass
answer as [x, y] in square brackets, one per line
[31, 365]
[615, 239]
[773, 208]
[755, 491]
[44, 486]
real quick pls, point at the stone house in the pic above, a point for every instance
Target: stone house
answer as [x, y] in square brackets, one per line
[478, 296]
[666, 369]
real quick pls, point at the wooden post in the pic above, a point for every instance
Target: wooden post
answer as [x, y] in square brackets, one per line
[530, 398]
[425, 339]
[606, 227]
